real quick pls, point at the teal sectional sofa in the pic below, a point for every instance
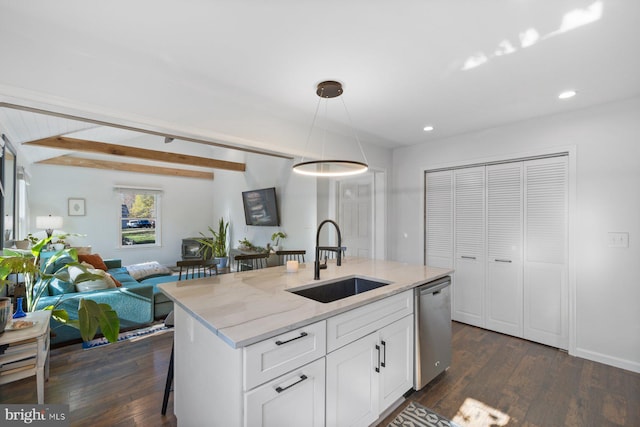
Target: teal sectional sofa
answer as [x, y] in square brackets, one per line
[137, 303]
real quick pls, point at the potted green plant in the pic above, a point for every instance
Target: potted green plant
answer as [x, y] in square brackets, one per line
[91, 315]
[216, 245]
[275, 238]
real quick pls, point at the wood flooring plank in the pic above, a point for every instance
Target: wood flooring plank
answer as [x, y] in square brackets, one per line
[536, 386]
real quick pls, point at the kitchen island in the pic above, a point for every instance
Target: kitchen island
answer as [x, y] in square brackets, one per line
[248, 352]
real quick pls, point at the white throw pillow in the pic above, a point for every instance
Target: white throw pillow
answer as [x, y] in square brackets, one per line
[106, 282]
[147, 269]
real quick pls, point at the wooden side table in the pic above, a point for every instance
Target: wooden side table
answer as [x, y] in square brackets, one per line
[25, 352]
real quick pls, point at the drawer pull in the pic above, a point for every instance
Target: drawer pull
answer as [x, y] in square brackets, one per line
[467, 257]
[503, 260]
[281, 389]
[302, 335]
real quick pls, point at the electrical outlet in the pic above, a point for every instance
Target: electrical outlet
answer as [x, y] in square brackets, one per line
[618, 240]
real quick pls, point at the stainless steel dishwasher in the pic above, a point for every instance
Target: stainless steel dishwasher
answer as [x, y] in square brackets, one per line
[432, 330]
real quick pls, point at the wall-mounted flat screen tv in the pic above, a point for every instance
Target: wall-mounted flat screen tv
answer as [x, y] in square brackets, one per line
[261, 207]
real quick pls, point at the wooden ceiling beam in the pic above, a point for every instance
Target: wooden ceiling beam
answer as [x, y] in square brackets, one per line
[126, 167]
[84, 145]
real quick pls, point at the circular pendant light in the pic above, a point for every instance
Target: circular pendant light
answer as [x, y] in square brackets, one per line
[331, 168]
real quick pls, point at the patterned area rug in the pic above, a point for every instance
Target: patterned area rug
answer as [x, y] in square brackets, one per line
[416, 415]
[129, 335]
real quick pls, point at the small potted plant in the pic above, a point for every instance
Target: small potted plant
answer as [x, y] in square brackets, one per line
[59, 242]
[275, 238]
[245, 245]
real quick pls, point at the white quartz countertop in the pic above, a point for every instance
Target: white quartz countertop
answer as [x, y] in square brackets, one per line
[248, 307]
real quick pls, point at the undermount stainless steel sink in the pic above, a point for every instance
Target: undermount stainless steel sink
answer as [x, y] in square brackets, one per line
[335, 290]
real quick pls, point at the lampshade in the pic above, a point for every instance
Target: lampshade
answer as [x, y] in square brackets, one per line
[331, 167]
[49, 223]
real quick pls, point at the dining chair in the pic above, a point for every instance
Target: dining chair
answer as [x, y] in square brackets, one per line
[251, 261]
[291, 255]
[196, 268]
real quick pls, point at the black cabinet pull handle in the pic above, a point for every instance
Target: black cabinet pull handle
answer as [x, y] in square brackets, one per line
[384, 354]
[467, 257]
[302, 335]
[281, 389]
[503, 260]
[377, 368]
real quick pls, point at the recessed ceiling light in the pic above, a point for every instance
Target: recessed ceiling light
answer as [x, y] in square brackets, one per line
[428, 128]
[567, 94]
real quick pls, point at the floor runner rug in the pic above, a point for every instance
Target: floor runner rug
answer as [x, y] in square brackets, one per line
[134, 335]
[416, 415]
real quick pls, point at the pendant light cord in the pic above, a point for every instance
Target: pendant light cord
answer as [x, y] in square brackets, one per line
[315, 116]
[353, 129]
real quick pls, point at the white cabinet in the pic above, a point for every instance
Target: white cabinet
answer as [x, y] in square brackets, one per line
[396, 361]
[469, 253]
[352, 384]
[368, 375]
[275, 356]
[293, 379]
[295, 393]
[294, 399]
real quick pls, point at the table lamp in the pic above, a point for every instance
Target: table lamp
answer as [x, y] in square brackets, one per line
[49, 223]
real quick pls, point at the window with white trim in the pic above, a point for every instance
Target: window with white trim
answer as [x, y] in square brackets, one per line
[139, 216]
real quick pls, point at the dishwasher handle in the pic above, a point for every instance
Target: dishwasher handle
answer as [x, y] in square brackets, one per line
[434, 287]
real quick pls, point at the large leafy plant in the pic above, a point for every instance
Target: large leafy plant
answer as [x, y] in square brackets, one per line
[91, 314]
[217, 244]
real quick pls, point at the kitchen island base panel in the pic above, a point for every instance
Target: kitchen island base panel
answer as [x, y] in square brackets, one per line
[208, 376]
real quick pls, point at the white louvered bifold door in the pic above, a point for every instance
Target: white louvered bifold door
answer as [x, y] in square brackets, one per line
[503, 307]
[469, 244]
[546, 293]
[439, 219]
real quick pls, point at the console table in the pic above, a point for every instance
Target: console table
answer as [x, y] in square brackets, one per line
[25, 352]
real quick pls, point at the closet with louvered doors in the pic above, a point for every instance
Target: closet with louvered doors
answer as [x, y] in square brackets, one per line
[508, 236]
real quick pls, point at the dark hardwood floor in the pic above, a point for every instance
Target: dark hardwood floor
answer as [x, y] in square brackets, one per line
[534, 385]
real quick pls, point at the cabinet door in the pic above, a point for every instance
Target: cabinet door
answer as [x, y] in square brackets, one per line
[353, 383]
[294, 399]
[504, 249]
[469, 220]
[546, 295]
[396, 365]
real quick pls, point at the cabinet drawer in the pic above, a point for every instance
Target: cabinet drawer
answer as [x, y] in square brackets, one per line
[354, 324]
[275, 356]
[294, 399]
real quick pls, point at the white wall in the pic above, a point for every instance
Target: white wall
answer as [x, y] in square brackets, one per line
[296, 200]
[606, 174]
[186, 208]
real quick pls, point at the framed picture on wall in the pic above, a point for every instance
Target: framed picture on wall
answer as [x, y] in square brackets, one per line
[76, 207]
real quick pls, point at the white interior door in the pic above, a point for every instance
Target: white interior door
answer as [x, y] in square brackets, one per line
[469, 226]
[355, 213]
[504, 248]
[546, 292]
[439, 219]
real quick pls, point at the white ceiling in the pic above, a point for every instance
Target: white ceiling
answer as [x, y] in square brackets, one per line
[244, 72]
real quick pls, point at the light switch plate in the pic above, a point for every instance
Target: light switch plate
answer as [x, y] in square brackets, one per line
[618, 240]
